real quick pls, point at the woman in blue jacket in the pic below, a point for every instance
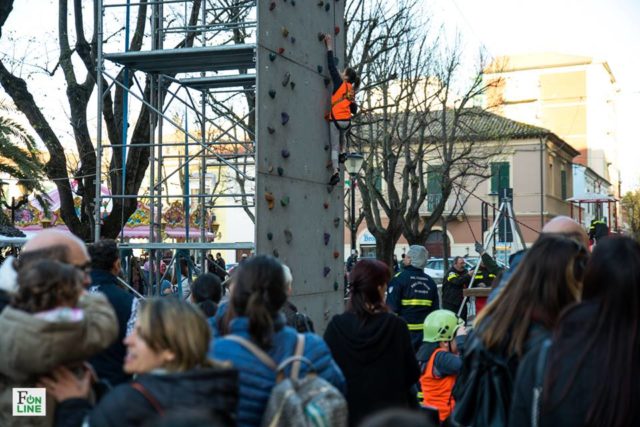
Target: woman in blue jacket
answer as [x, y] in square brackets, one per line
[257, 298]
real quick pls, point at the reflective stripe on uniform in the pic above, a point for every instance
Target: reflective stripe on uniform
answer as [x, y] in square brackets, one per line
[420, 396]
[452, 276]
[420, 302]
[415, 326]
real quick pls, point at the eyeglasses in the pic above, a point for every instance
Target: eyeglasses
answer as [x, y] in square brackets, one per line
[85, 268]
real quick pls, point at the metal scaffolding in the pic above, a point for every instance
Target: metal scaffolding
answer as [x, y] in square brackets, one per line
[205, 82]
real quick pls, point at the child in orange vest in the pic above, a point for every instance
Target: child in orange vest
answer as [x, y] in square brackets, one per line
[440, 361]
[343, 106]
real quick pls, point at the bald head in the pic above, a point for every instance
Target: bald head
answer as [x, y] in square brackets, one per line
[76, 250]
[568, 227]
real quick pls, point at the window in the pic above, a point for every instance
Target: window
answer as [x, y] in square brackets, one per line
[499, 177]
[434, 186]
[563, 184]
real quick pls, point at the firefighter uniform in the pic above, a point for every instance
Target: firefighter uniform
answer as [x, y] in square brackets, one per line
[454, 282]
[412, 294]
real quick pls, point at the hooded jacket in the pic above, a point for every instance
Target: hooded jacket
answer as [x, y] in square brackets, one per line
[31, 347]
[214, 389]
[377, 359]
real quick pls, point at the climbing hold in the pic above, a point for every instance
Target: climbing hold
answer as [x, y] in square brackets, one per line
[320, 3]
[272, 6]
[336, 222]
[326, 147]
[285, 32]
[327, 237]
[276, 253]
[326, 205]
[280, 171]
[336, 254]
[293, 85]
[270, 235]
[286, 78]
[336, 286]
[280, 50]
[336, 30]
[327, 80]
[284, 118]
[320, 68]
[293, 2]
[272, 56]
[272, 93]
[284, 201]
[288, 236]
[321, 37]
[270, 199]
[327, 6]
[271, 130]
[326, 271]
[285, 153]
[293, 40]
[270, 168]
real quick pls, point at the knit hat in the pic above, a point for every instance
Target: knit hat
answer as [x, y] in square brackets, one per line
[418, 255]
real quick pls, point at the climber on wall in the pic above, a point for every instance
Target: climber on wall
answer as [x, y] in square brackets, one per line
[343, 106]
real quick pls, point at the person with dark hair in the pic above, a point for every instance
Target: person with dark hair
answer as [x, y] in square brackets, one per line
[105, 263]
[206, 292]
[456, 280]
[593, 362]
[221, 271]
[51, 321]
[372, 346]
[343, 106]
[413, 294]
[548, 279]
[167, 353]
[257, 327]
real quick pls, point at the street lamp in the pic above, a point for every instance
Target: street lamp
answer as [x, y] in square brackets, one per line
[353, 164]
[15, 205]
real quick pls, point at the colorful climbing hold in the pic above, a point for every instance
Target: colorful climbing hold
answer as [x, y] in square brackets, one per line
[326, 147]
[284, 118]
[285, 32]
[276, 253]
[284, 201]
[293, 85]
[272, 93]
[326, 205]
[327, 237]
[270, 199]
[336, 222]
[327, 6]
[336, 254]
[336, 30]
[270, 235]
[288, 236]
[271, 130]
[286, 78]
[326, 271]
[270, 168]
[272, 56]
[320, 68]
[285, 153]
[280, 171]
[280, 50]
[272, 6]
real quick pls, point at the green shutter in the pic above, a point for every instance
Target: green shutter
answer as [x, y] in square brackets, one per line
[499, 176]
[563, 184]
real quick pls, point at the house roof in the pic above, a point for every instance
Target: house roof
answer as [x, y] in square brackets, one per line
[476, 124]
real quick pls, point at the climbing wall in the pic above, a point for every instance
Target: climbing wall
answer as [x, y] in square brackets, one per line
[299, 216]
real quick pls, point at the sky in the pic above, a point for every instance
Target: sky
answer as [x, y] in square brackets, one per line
[603, 29]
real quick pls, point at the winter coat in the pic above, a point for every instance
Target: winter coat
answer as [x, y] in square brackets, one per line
[214, 389]
[256, 379]
[32, 347]
[454, 283]
[108, 363]
[377, 359]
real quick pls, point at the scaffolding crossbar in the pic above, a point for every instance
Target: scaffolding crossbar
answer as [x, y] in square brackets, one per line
[219, 82]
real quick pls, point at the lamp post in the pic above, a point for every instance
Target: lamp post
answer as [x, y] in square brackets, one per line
[353, 164]
[15, 205]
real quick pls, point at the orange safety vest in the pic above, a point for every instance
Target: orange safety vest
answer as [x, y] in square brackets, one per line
[341, 102]
[437, 391]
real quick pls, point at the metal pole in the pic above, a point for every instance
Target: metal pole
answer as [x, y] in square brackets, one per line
[353, 212]
[99, 68]
[541, 184]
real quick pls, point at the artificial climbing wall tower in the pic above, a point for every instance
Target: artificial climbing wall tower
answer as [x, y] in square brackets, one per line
[299, 217]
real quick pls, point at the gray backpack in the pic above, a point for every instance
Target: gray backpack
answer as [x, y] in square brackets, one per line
[308, 402]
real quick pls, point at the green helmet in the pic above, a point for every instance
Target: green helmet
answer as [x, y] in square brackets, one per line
[440, 325]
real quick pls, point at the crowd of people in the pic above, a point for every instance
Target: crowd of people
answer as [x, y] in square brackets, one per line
[557, 345]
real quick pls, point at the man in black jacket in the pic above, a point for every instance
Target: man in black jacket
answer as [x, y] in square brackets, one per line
[412, 294]
[105, 263]
[456, 280]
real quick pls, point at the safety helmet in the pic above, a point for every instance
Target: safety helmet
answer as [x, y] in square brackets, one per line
[440, 325]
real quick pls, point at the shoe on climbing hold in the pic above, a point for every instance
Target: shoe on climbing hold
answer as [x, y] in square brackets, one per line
[272, 93]
[336, 30]
[336, 254]
[272, 6]
[326, 205]
[320, 68]
[284, 201]
[285, 32]
[288, 236]
[293, 85]
[270, 199]
[327, 80]
[280, 171]
[271, 130]
[280, 50]
[276, 253]
[326, 271]
[335, 178]
[286, 78]
[336, 222]
[285, 153]
[321, 37]
[327, 237]
[270, 235]
[284, 118]
[327, 6]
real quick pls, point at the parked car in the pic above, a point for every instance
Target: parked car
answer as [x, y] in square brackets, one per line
[435, 267]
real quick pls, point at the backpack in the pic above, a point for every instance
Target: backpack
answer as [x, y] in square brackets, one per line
[308, 402]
